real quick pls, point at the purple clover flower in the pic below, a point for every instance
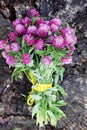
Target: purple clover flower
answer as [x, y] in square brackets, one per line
[32, 12]
[20, 29]
[39, 44]
[29, 39]
[50, 39]
[54, 27]
[26, 21]
[2, 44]
[46, 60]
[39, 21]
[15, 47]
[17, 21]
[74, 39]
[58, 42]
[31, 29]
[47, 22]
[25, 58]
[11, 61]
[67, 60]
[43, 30]
[12, 36]
[8, 48]
[66, 31]
[71, 47]
[55, 21]
[68, 38]
[5, 54]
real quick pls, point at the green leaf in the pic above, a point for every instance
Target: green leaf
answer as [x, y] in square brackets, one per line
[35, 109]
[12, 53]
[74, 31]
[67, 25]
[33, 20]
[16, 129]
[31, 49]
[27, 73]
[23, 95]
[61, 103]
[39, 119]
[16, 72]
[53, 119]
[61, 113]
[61, 90]
[56, 79]
[36, 97]
[40, 52]
[19, 40]
[53, 98]
[19, 65]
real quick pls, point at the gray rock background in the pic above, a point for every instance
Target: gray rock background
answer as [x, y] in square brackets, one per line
[13, 109]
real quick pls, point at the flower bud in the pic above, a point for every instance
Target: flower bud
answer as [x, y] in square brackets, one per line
[8, 48]
[67, 60]
[17, 21]
[58, 42]
[12, 36]
[46, 60]
[11, 61]
[55, 21]
[66, 31]
[5, 54]
[20, 29]
[25, 58]
[15, 47]
[26, 21]
[32, 12]
[39, 21]
[29, 39]
[43, 30]
[31, 29]
[2, 44]
[39, 44]
[54, 27]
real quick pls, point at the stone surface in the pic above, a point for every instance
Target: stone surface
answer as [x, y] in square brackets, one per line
[13, 109]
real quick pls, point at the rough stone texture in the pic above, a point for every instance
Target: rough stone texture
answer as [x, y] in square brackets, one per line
[13, 109]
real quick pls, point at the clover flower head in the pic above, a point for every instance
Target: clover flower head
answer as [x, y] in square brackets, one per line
[46, 60]
[50, 39]
[12, 36]
[67, 60]
[39, 21]
[17, 21]
[55, 21]
[5, 54]
[68, 38]
[32, 12]
[39, 45]
[29, 39]
[20, 29]
[54, 27]
[58, 42]
[2, 44]
[8, 47]
[11, 61]
[31, 29]
[26, 21]
[71, 47]
[15, 47]
[43, 30]
[25, 58]
[74, 39]
[66, 31]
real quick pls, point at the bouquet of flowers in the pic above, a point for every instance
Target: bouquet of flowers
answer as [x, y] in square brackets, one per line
[39, 49]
